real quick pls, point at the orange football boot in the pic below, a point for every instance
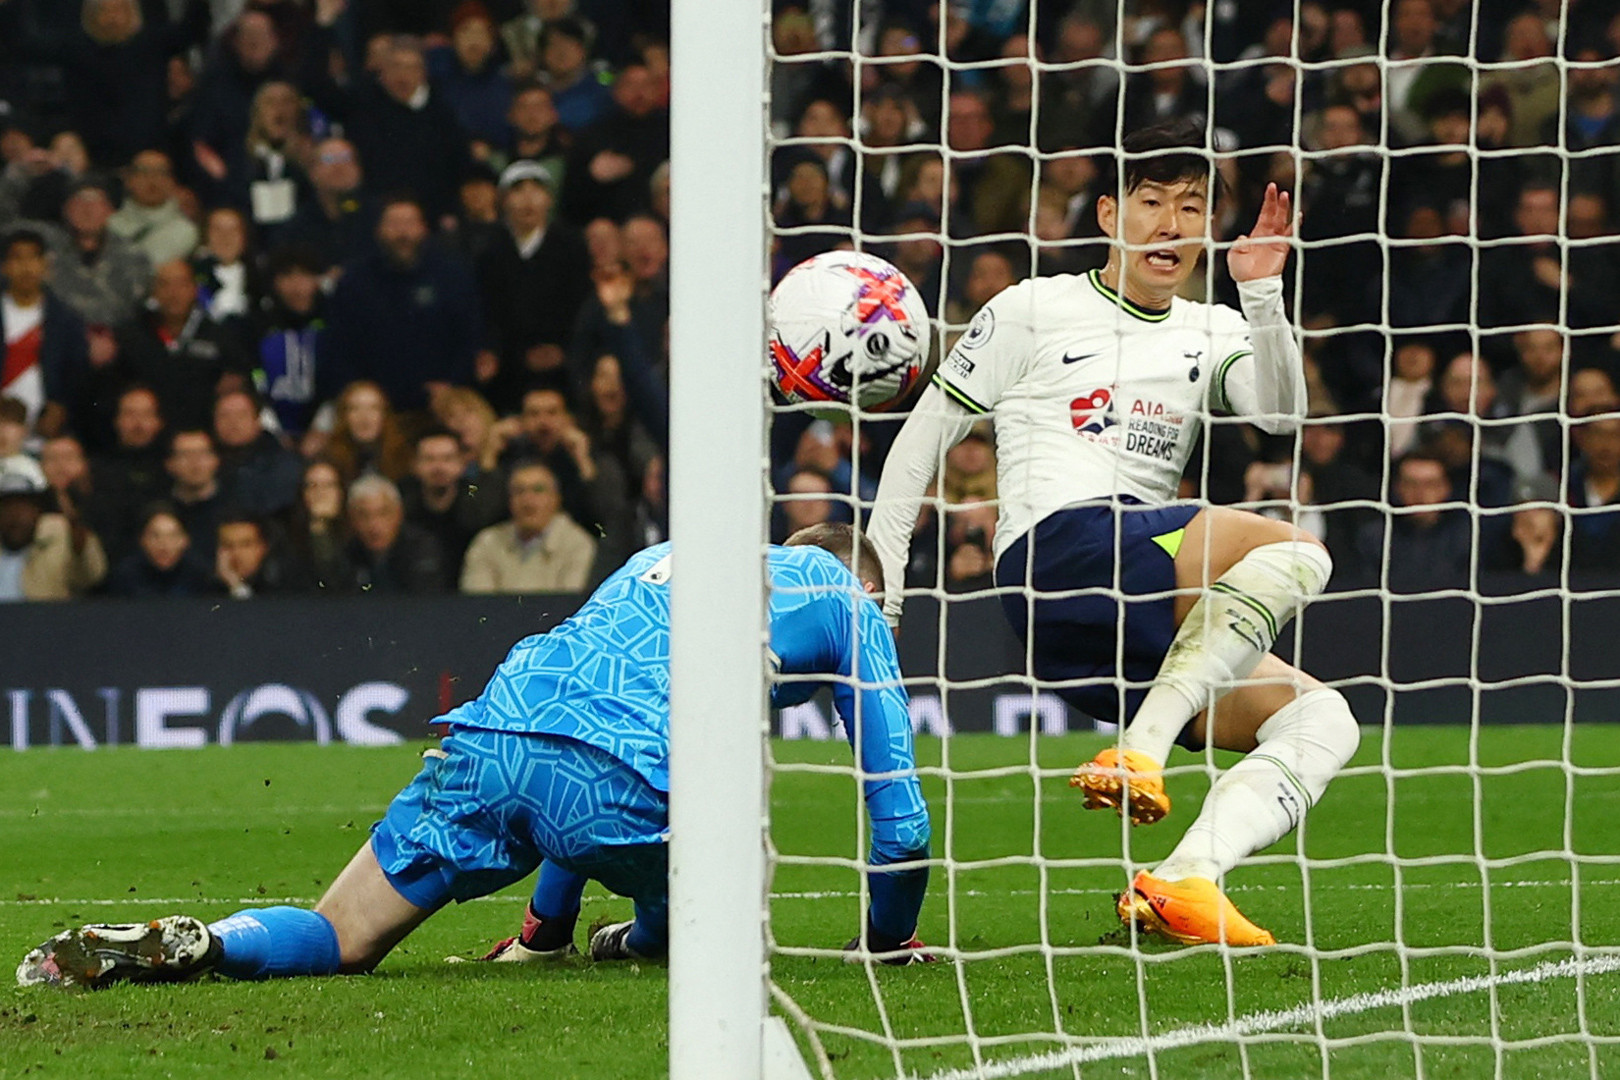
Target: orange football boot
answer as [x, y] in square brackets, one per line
[1191, 911]
[1137, 780]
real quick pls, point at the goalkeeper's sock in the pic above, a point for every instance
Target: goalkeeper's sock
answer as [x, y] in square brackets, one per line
[1223, 637]
[1258, 801]
[264, 942]
[553, 910]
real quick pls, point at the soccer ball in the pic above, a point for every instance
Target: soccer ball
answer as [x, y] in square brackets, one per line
[847, 327]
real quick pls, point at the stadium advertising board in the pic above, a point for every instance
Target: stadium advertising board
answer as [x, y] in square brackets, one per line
[192, 673]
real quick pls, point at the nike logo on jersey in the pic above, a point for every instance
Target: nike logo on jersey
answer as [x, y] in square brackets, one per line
[1067, 359]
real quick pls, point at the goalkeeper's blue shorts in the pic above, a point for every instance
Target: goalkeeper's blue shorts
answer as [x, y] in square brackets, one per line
[489, 806]
[1102, 653]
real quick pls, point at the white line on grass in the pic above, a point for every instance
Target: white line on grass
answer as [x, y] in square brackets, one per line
[121, 901]
[1278, 1019]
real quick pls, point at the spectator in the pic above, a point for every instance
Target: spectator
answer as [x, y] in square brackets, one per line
[580, 98]
[1594, 495]
[1468, 389]
[921, 256]
[73, 492]
[1429, 544]
[1534, 547]
[994, 187]
[261, 475]
[151, 218]
[970, 468]
[45, 364]
[478, 214]
[407, 316]
[990, 271]
[650, 515]
[448, 496]
[43, 555]
[468, 78]
[1407, 394]
[1429, 284]
[535, 134]
[408, 139]
[1335, 480]
[1077, 104]
[534, 280]
[196, 498]
[164, 564]
[386, 555]
[611, 423]
[100, 275]
[1412, 73]
[541, 549]
[228, 283]
[220, 125]
[1535, 388]
[466, 413]
[319, 530]
[1592, 122]
[825, 121]
[180, 352]
[366, 437]
[114, 70]
[809, 220]
[521, 35]
[245, 566]
[291, 341]
[1342, 188]
[614, 159]
[131, 473]
[591, 491]
[336, 221]
[1591, 391]
[969, 541]
[1534, 86]
[804, 502]
[13, 436]
[646, 256]
[1520, 282]
[267, 176]
[1171, 92]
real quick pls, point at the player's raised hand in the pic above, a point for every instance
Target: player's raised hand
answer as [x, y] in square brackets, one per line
[1262, 253]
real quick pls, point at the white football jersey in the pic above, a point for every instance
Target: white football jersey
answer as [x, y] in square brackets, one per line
[1093, 396]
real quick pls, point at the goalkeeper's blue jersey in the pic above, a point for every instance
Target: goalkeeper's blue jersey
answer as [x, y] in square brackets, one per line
[602, 677]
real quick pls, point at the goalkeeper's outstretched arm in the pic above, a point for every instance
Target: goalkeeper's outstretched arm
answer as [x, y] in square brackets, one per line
[937, 423]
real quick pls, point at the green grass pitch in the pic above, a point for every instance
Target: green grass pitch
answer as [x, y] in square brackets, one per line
[123, 834]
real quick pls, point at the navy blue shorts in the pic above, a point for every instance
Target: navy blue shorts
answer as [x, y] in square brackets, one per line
[1077, 641]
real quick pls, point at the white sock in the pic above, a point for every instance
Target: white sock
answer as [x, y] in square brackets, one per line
[1224, 636]
[1262, 798]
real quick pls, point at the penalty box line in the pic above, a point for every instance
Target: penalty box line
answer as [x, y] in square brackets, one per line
[1278, 1019]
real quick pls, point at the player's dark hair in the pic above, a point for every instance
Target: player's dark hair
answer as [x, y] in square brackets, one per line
[841, 539]
[1171, 152]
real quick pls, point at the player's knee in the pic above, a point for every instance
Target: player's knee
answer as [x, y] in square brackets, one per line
[907, 842]
[1320, 718]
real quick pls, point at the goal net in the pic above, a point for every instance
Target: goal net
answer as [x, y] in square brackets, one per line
[1451, 906]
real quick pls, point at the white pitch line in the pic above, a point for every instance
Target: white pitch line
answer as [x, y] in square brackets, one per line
[122, 901]
[1318, 887]
[1278, 1019]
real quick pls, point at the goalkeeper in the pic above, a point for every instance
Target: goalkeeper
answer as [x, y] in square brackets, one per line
[1139, 608]
[565, 758]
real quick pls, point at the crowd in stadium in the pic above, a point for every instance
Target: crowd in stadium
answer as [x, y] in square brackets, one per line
[371, 295]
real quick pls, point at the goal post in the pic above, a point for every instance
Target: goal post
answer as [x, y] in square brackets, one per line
[717, 525]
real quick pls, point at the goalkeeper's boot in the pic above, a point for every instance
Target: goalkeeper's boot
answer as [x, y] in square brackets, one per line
[1120, 778]
[612, 942]
[1191, 911]
[904, 955]
[170, 949]
[541, 941]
